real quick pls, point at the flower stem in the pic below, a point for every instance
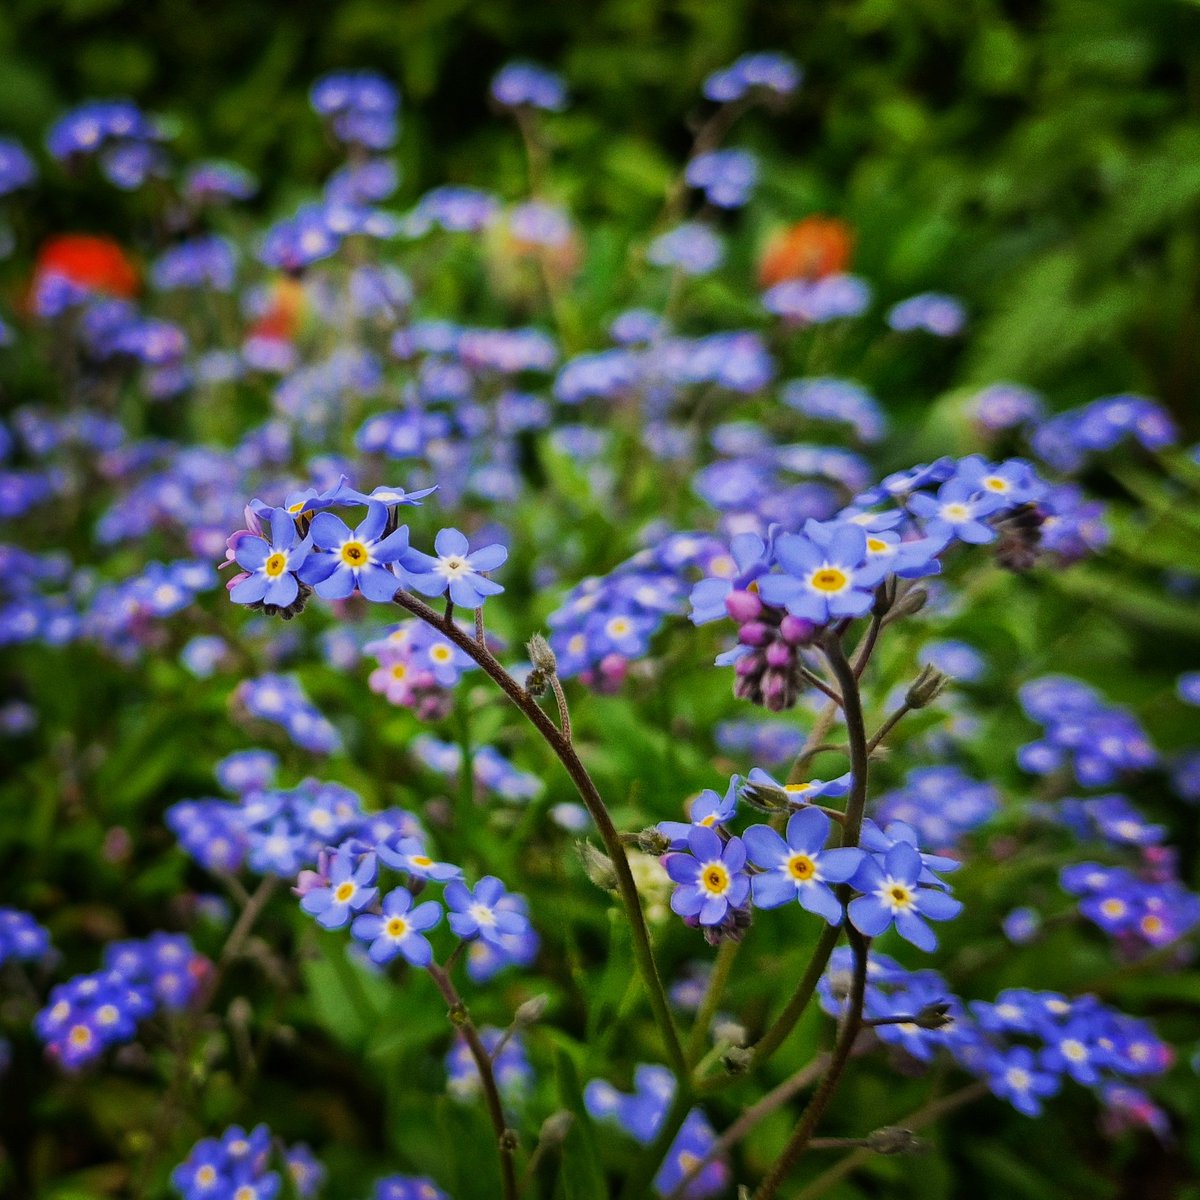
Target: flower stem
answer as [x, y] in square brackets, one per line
[800, 1139]
[712, 998]
[567, 755]
[505, 1137]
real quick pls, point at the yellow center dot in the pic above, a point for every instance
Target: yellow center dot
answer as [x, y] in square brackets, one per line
[955, 512]
[275, 565]
[797, 789]
[354, 554]
[399, 670]
[715, 879]
[107, 1014]
[441, 653]
[829, 579]
[396, 927]
[900, 895]
[80, 1035]
[295, 508]
[1152, 924]
[709, 821]
[877, 545]
[421, 860]
[687, 1161]
[206, 1176]
[801, 867]
[343, 892]
[994, 483]
[1113, 907]
[245, 1192]
[618, 627]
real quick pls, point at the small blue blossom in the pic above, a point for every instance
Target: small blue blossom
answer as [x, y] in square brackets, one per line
[727, 177]
[456, 569]
[525, 84]
[355, 561]
[481, 913]
[350, 890]
[711, 876]
[399, 929]
[272, 565]
[771, 72]
[827, 573]
[708, 810]
[892, 895]
[800, 868]
[933, 312]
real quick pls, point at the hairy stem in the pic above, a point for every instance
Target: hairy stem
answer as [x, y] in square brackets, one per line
[800, 1139]
[567, 755]
[505, 1137]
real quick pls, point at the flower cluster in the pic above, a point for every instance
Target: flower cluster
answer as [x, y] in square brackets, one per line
[88, 1014]
[418, 668]
[1098, 741]
[22, 939]
[719, 875]
[1025, 1044]
[281, 700]
[942, 804]
[237, 1166]
[125, 142]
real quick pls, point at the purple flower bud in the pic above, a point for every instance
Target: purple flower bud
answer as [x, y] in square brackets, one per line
[755, 633]
[796, 631]
[743, 606]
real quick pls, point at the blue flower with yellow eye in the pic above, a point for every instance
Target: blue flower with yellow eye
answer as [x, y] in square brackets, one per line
[350, 889]
[892, 895]
[272, 565]
[711, 876]
[399, 929]
[483, 912]
[456, 569]
[358, 561]
[800, 868]
[707, 810]
[408, 854]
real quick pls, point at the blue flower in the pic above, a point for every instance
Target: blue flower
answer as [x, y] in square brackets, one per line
[766, 70]
[892, 895]
[272, 565]
[519, 84]
[399, 930]
[480, 913]
[408, 854]
[711, 876]
[707, 810]
[956, 512]
[933, 312]
[1015, 1076]
[800, 868]
[827, 573]
[350, 890]
[355, 560]
[456, 568]
[725, 176]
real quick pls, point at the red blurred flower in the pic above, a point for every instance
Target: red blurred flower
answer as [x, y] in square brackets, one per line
[284, 311]
[96, 263]
[810, 249]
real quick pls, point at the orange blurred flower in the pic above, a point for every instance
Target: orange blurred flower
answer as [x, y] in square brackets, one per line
[285, 310]
[810, 249]
[96, 263]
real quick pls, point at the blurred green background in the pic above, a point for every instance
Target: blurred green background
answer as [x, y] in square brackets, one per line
[1040, 158]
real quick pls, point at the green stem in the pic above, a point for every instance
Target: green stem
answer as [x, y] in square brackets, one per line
[800, 1139]
[506, 1138]
[567, 755]
[712, 998]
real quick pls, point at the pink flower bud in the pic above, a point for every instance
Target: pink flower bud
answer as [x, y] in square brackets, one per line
[743, 606]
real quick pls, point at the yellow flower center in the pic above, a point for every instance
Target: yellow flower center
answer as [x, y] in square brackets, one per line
[994, 483]
[245, 1192]
[275, 565]
[1018, 1079]
[482, 914]
[955, 512]
[829, 579]
[399, 670]
[295, 508]
[797, 789]
[709, 821]
[421, 860]
[343, 892]
[878, 545]
[440, 653]
[715, 879]
[801, 867]
[900, 896]
[1075, 1051]
[1113, 907]
[206, 1176]
[80, 1035]
[1152, 924]
[107, 1014]
[355, 554]
[396, 927]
